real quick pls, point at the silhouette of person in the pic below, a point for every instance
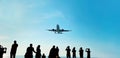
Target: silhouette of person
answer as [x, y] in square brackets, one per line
[88, 52]
[74, 52]
[13, 49]
[68, 55]
[81, 52]
[57, 52]
[52, 52]
[2, 51]
[43, 56]
[38, 52]
[29, 52]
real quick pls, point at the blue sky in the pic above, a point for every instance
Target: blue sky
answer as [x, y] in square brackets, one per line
[94, 24]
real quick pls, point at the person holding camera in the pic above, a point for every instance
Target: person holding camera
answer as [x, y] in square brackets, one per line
[88, 52]
[2, 51]
[68, 55]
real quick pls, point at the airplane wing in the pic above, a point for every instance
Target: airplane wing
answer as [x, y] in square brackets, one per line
[62, 30]
[51, 30]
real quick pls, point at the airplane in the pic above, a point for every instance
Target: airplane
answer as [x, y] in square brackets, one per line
[58, 30]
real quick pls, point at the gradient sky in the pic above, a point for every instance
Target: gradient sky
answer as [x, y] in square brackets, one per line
[95, 24]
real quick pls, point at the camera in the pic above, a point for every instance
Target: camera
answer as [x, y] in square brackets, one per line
[87, 49]
[3, 49]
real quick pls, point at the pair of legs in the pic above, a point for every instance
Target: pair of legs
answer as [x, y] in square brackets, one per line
[1, 55]
[68, 56]
[28, 56]
[12, 55]
[81, 55]
[74, 56]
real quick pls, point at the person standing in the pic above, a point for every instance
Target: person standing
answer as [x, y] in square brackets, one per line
[68, 55]
[38, 52]
[57, 52]
[88, 52]
[74, 52]
[29, 52]
[81, 52]
[13, 49]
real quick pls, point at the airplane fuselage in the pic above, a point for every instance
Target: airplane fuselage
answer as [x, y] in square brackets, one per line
[58, 30]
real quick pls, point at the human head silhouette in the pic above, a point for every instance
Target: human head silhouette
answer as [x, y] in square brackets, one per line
[30, 45]
[53, 46]
[80, 48]
[38, 46]
[73, 47]
[0, 46]
[57, 47]
[15, 41]
[88, 49]
[68, 47]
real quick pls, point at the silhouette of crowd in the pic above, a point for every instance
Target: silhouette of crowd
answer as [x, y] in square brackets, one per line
[54, 52]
